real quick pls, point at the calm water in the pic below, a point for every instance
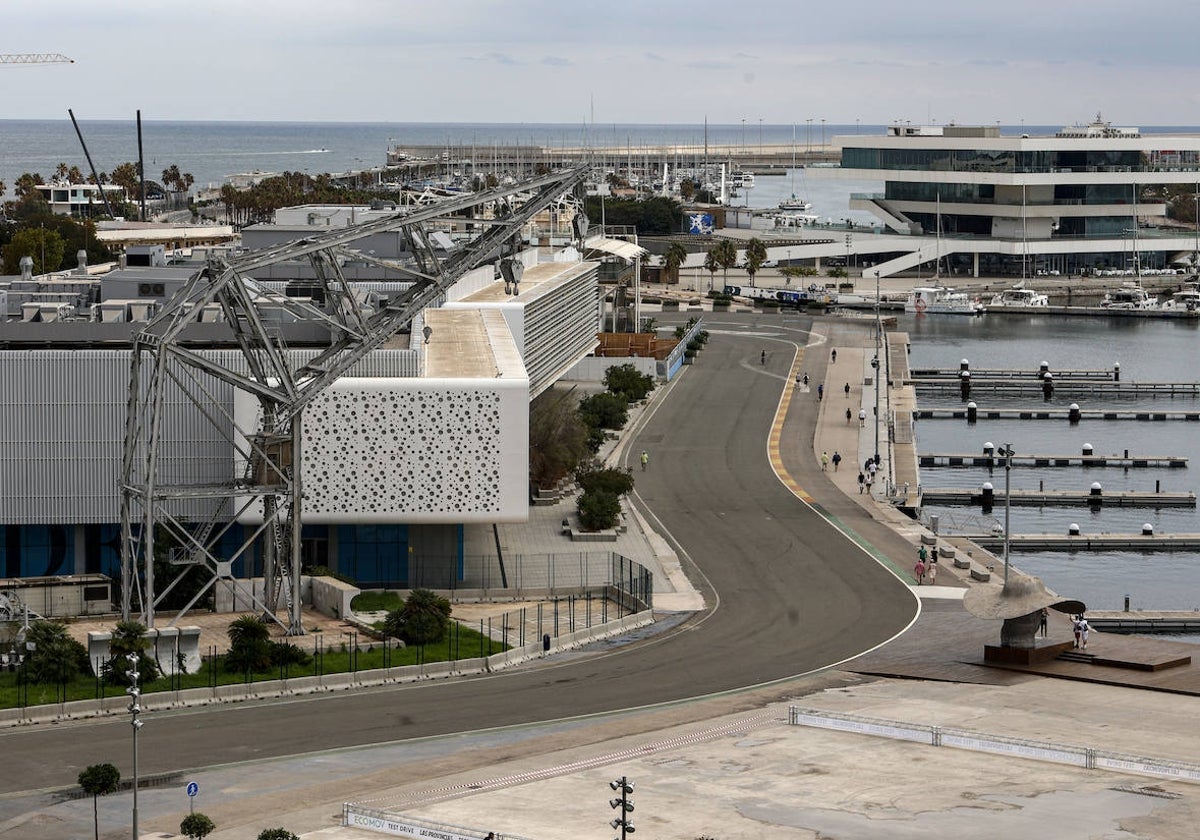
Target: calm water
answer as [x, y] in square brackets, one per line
[1147, 351]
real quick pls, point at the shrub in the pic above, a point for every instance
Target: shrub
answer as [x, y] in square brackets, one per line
[604, 411]
[283, 653]
[558, 438]
[276, 834]
[56, 657]
[129, 637]
[598, 510]
[196, 826]
[249, 645]
[607, 480]
[625, 380]
[423, 619]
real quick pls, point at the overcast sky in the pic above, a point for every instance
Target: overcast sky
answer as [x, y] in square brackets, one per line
[633, 61]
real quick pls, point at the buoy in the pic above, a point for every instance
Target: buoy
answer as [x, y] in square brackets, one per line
[1147, 530]
[1047, 386]
[989, 448]
[1096, 491]
[964, 365]
[1073, 413]
[1116, 371]
[964, 384]
[1045, 366]
[1073, 529]
[972, 412]
[1087, 449]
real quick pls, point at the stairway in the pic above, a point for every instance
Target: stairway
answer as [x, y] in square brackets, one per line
[1077, 655]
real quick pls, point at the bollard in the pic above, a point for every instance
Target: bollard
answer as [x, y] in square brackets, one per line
[1041, 485]
[1073, 530]
[1127, 454]
[1073, 414]
[964, 365]
[1047, 387]
[964, 385]
[1116, 371]
[1126, 603]
[1147, 530]
[1157, 485]
[934, 520]
[1087, 449]
[989, 448]
[1043, 368]
[1096, 494]
[988, 496]
[972, 412]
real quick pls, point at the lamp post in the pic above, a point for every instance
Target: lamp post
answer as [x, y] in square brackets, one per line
[876, 365]
[808, 136]
[1007, 452]
[134, 710]
[623, 806]
[849, 242]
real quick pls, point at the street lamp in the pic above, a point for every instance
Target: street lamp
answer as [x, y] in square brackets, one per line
[134, 710]
[809, 136]
[875, 364]
[623, 806]
[1007, 452]
[849, 242]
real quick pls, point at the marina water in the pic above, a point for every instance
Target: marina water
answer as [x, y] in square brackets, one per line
[1147, 350]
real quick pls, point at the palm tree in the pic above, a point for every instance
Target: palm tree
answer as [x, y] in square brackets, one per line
[99, 780]
[756, 255]
[675, 256]
[726, 258]
[712, 264]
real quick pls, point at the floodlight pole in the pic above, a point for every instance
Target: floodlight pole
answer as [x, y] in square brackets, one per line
[1008, 453]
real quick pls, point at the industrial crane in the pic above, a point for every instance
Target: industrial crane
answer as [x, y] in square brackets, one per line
[35, 58]
[166, 372]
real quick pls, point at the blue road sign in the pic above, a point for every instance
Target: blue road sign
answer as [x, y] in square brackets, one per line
[192, 788]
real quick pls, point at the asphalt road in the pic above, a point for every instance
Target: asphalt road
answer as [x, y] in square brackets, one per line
[792, 594]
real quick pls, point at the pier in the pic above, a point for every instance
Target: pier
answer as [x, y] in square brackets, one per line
[1080, 543]
[1150, 621]
[1062, 414]
[1072, 387]
[1058, 498]
[943, 459]
[1034, 374]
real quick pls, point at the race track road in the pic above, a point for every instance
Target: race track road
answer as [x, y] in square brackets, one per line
[793, 594]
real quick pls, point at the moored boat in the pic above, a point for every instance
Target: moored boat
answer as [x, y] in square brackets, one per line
[941, 300]
[1019, 296]
[1129, 296]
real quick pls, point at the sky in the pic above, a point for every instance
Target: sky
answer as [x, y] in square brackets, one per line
[1052, 62]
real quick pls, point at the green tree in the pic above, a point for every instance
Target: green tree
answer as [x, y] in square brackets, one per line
[128, 638]
[675, 256]
[126, 177]
[627, 381]
[44, 246]
[598, 510]
[607, 479]
[196, 826]
[99, 780]
[712, 264]
[276, 834]
[558, 438]
[726, 258]
[55, 658]
[249, 645]
[604, 411]
[27, 184]
[423, 619]
[756, 255]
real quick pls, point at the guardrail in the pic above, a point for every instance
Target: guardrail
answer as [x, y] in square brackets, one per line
[940, 736]
[402, 825]
[669, 366]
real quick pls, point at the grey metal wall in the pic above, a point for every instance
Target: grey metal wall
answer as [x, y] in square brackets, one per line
[62, 427]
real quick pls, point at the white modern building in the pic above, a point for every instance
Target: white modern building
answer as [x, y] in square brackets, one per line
[80, 200]
[1086, 199]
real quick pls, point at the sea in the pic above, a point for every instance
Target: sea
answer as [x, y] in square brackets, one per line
[1147, 350]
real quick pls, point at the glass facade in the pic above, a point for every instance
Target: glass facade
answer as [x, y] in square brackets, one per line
[37, 550]
[1004, 160]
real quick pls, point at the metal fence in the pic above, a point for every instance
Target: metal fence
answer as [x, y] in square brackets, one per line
[402, 825]
[1088, 758]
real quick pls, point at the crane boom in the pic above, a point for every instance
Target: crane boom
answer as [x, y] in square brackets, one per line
[35, 58]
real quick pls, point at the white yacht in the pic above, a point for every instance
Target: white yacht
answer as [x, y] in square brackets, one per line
[795, 203]
[1020, 296]
[1129, 297]
[742, 179]
[1188, 300]
[941, 300]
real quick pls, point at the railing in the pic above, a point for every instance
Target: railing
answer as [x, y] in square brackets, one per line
[669, 366]
[941, 736]
[402, 825]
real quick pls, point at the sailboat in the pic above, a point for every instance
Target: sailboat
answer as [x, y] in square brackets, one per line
[938, 299]
[794, 203]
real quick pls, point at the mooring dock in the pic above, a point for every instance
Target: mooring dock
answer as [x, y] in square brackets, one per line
[1073, 543]
[1060, 414]
[1127, 461]
[1057, 498]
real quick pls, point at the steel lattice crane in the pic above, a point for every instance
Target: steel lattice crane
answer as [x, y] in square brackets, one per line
[35, 58]
[168, 376]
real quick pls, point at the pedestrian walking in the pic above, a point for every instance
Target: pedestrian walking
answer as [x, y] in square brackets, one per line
[922, 554]
[1044, 621]
[919, 571]
[833, 355]
[870, 481]
[847, 390]
[848, 416]
[1078, 629]
[931, 571]
[806, 380]
[932, 551]
[763, 357]
[862, 480]
[1083, 630]
[820, 391]
[837, 460]
[645, 459]
[824, 461]
[862, 417]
